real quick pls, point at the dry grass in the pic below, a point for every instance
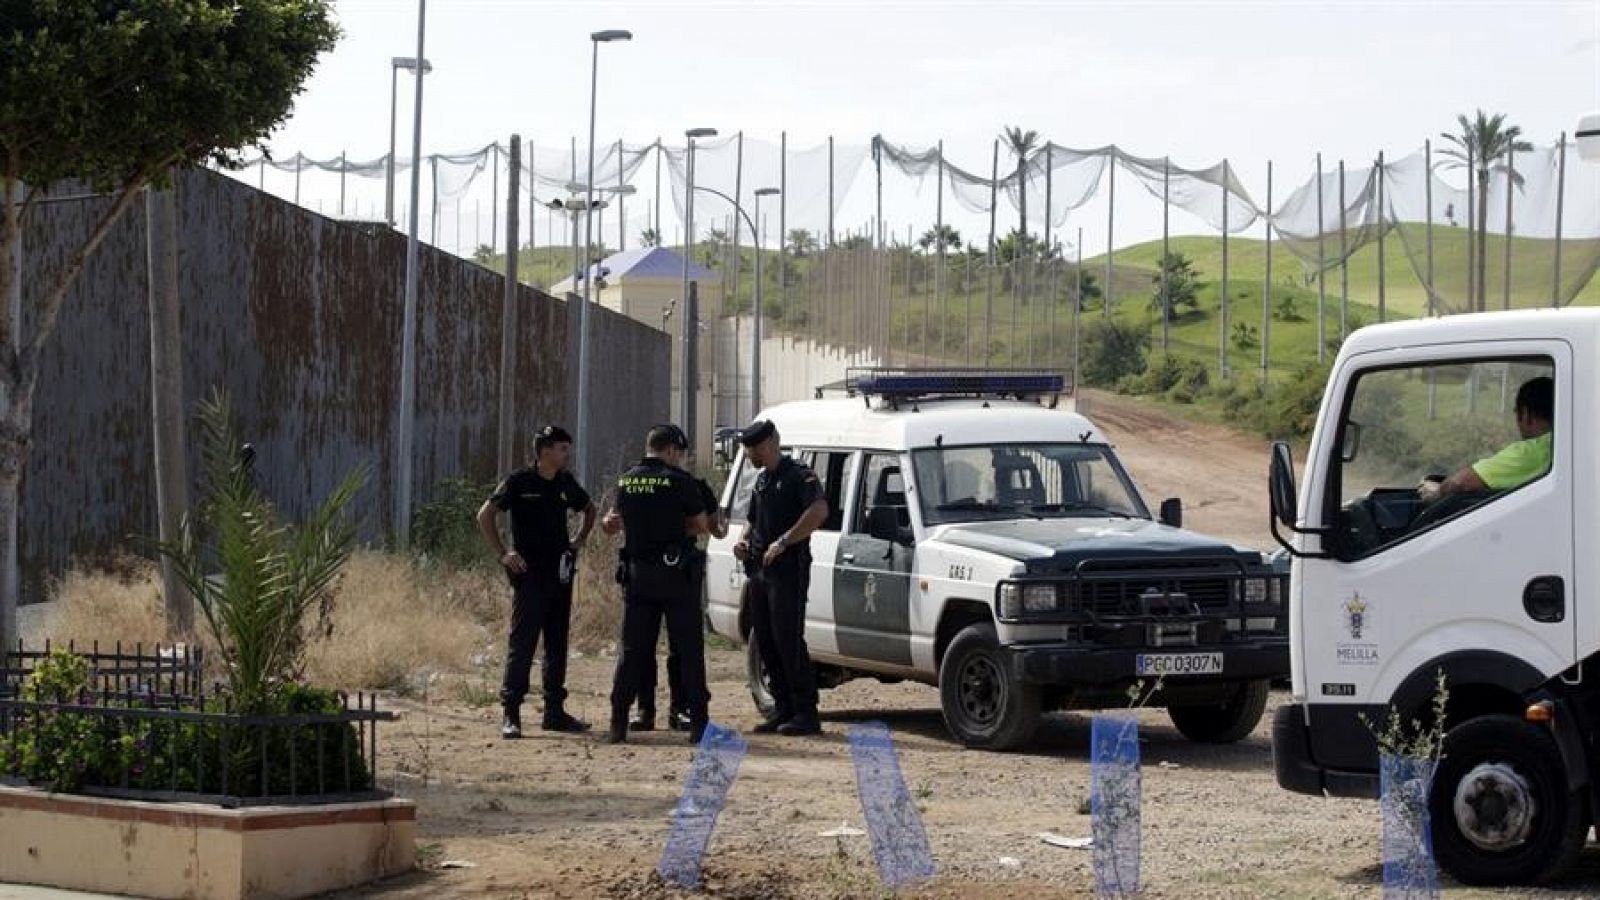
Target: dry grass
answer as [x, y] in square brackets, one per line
[122, 603]
[394, 622]
[596, 598]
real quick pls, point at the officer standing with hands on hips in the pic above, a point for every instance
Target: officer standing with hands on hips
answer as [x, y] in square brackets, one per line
[660, 512]
[785, 508]
[540, 566]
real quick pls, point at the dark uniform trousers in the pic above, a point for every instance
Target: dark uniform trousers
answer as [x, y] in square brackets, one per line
[651, 596]
[647, 680]
[778, 619]
[541, 605]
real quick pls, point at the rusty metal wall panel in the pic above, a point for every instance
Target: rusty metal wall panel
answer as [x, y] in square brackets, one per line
[298, 317]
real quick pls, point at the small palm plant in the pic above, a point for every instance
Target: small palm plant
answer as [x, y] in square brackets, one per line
[269, 575]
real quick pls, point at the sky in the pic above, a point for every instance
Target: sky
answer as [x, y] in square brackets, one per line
[1199, 81]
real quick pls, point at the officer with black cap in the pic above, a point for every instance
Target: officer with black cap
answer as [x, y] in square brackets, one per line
[540, 566]
[659, 512]
[786, 507]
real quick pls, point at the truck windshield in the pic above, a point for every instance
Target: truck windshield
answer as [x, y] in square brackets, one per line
[1017, 481]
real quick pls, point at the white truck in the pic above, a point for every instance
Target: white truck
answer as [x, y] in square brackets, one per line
[984, 542]
[1493, 584]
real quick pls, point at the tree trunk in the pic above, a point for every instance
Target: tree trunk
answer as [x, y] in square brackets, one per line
[1480, 303]
[1022, 202]
[13, 453]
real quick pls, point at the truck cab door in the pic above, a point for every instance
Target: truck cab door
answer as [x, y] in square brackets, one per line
[1403, 585]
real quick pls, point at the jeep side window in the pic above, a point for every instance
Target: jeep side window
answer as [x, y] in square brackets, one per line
[830, 468]
[1427, 443]
[744, 477]
[881, 502]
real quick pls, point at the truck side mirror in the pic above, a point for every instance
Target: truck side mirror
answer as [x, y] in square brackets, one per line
[1172, 512]
[1280, 485]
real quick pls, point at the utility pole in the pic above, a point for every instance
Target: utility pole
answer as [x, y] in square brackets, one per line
[166, 396]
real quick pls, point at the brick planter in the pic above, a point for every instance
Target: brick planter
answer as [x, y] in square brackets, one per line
[200, 851]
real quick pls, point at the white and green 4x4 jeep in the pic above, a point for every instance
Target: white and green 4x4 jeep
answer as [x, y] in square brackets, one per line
[982, 540]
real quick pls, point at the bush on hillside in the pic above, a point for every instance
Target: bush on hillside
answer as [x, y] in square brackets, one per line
[1112, 351]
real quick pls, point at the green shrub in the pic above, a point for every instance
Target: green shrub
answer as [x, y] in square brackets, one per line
[1112, 351]
[445, 529]
[69, 751]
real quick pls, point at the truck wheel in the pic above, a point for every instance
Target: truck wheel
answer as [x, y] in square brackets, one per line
[1223, 723]
[1501, 810]
[756, 677]
[984, 706]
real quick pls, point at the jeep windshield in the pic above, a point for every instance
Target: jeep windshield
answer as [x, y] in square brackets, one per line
[992, 482]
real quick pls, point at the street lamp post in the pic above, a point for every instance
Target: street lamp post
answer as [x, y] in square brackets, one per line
[584, 438]
[755, 331]
[408, 330]
[690, 318]
[395, 65]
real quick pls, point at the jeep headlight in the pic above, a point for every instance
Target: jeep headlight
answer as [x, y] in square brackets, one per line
[1256, 590]
[1010, 600]
[1040, 598]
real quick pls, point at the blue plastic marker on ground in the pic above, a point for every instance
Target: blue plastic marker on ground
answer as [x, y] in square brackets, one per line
[899, 843]
[1408, 865]
[1114, 804]
[716, 765]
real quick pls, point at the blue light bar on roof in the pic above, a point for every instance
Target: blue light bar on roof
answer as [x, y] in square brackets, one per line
[976, 383]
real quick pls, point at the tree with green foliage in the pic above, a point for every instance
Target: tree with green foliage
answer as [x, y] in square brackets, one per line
[801, 243]
[855, 242]
[1021, 143]
[1113, 350]
[649, 238]
[112, 96]
[1482, 146]
[1087, 284]
[1177, 286]
[483, 254]
[940, 238]
[712, 247]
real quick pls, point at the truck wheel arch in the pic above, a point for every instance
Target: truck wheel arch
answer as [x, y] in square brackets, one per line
[957, 614]
[1479, 683]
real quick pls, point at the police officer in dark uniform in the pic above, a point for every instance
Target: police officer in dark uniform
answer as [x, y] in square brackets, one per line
[644, 718]
[540, 566]
[660, 512]
[776, 550]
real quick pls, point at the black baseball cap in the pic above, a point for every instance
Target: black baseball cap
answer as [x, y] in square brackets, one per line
[756, 432]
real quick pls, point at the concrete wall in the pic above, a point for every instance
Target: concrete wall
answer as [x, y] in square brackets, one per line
[298, 317]
[790, 369]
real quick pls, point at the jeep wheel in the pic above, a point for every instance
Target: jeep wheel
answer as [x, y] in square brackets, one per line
[1226, 722]
[756, 677]
[984, 706]
[1500, 807]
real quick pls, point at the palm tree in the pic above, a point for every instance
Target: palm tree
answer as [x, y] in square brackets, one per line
[1020, 143]
[940, 238]
[1481, 146]
[650, 238]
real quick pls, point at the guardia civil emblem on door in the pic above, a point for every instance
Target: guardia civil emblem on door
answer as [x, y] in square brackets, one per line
[869, 594]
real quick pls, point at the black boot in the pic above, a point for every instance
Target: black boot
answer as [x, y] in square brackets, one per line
[644, 719]
[801, 724]
[618, 733]
[771, 724]
[697, 730]
[678, 720]
[556, 719]
[511, 725]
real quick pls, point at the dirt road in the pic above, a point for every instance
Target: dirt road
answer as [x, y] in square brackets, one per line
[1220, 474]
[564, 816]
